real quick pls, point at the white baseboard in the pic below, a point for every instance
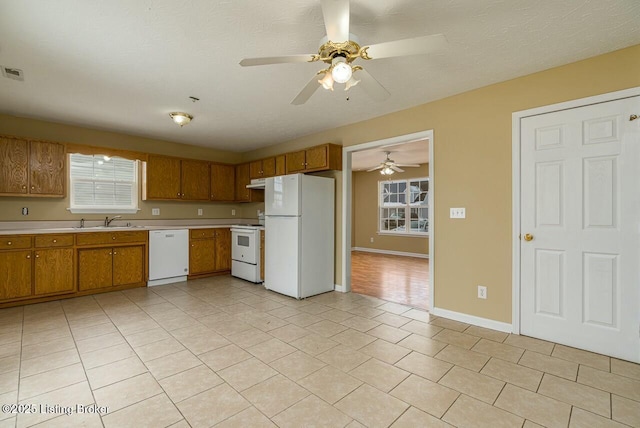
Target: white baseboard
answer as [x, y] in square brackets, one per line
[166, 281]
[473, 320]
[339, 288]
[390, 252]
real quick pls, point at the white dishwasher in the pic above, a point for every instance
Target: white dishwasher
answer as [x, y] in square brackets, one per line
[168, 256]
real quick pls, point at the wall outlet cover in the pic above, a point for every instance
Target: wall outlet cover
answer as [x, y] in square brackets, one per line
[25, 211]
[482, 292]
[457, 213]
[199, 211]
[155, 211]
[233, 212]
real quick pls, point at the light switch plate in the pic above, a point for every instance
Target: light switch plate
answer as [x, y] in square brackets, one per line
[199, 211]
[457, 213]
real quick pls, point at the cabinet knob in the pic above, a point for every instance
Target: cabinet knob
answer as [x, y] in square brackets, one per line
[37, 256]
[110, 254]
[28, 256]
[114, 253]
[113, 237]
[33, 187]
[9, 243]
[55, 240]
[24, 187]
[193, 245]
[178, 193]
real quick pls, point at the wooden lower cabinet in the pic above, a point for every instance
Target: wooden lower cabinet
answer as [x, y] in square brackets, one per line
[110, 267]
[209, 251]
[53, 271]
[95, 268]
[202, 256]
[15, 274]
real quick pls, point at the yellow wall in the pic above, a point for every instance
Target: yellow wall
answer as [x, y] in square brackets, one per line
[56, 209]
[365, 214]
[472, 169]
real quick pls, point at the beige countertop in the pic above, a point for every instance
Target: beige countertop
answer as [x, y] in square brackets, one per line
[35, 228]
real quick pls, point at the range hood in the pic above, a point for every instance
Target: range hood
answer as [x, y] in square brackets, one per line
[256, 183]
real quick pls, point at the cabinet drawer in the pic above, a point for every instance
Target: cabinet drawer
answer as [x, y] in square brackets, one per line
[12, 242]
[202, 233]
[54, 241]
[96, 238]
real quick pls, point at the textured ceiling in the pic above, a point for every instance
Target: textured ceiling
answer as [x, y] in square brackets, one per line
[123, 65]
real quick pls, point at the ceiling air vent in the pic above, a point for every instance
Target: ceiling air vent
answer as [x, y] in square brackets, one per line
[13, 73]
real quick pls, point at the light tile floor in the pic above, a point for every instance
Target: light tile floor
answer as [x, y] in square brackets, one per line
[223, 352]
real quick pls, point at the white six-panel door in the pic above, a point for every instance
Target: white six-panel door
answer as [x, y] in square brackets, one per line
[580, 207]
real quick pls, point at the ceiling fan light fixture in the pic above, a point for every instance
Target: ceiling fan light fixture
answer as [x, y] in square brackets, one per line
[327, 81]
[181, 118]
[341, 71]
[386, 171]
[351, 83]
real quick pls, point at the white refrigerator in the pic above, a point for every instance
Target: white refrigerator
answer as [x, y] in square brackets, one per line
[299, 235]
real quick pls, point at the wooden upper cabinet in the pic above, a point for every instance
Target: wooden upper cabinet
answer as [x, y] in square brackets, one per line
[295, 162]
[318, 158]
[32, 168]
[223, 179]
[242, 179]
[14, 166]
[46, 167]
[195, 180]
[163, 177]
[262, 168]
[280, 165]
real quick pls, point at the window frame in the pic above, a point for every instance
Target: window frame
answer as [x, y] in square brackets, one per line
[105, 209]
[404, 207]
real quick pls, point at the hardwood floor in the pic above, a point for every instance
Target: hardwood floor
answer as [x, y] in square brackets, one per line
[398, 279]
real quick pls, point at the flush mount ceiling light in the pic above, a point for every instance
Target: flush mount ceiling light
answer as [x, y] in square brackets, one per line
[181, 118]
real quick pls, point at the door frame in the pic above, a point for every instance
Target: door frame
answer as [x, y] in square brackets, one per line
[347, 204]
[516, 118]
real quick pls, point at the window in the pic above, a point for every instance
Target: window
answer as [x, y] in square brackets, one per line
[103, 184]
[404, 206]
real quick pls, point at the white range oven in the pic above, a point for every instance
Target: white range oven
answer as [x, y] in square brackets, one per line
[245, 252]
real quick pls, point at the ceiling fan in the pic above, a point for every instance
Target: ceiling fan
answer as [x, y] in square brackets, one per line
[389, 166]
[339, 49]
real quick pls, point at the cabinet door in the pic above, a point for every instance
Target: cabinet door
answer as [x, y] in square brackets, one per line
[242, 179]
[195, 180]
[223, 249]
[14, 164]
[47, 171]
[95, 268]
[295, 162]
[53, 271]
[281, 166]
[269, 167]
[128, 265]
[317, 157]
[163, 178]
[255, 170]
[202, 256]
[223, 180]
[15, 274]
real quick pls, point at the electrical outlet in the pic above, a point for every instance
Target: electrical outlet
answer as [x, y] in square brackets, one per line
[155, 211]
[482, 292]
[233, 212]
[372, 239]
[199, 211]
[25, 211]
[457, 213]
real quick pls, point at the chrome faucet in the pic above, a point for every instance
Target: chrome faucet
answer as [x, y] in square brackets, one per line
[108, 221]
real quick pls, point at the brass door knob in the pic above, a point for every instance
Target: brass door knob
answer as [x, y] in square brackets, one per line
[528, 237]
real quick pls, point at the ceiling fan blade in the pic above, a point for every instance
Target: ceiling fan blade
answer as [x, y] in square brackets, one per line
[249, 62]
[336, 19]
[306, 92]
[396, 169]
[416, 46]
[372, 87]
[408, 165]
[374, 168]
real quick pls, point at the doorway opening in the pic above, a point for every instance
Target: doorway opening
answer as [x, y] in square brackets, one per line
[388, 219]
